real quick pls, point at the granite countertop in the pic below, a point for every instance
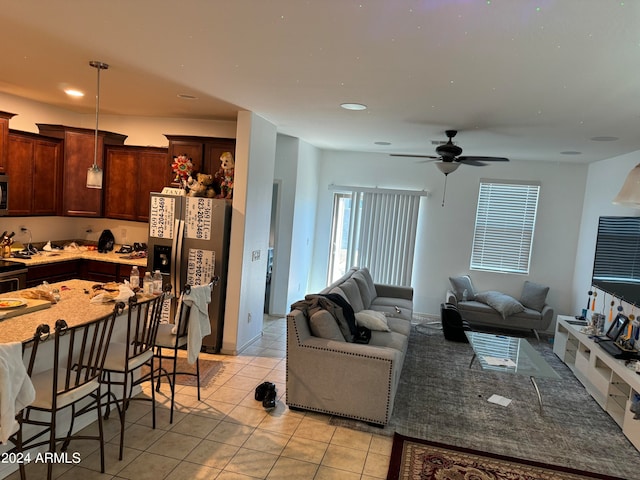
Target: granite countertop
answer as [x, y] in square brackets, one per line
[44, 257]
[74, 307]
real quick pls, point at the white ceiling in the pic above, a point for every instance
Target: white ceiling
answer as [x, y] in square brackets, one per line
[518, 78]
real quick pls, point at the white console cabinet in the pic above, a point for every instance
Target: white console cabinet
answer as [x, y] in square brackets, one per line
[612, 384]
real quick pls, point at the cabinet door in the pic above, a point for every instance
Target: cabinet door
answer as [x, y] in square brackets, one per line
[155, 173]
[78, 200]
[47, 166]
[4, 139]
[131, 174]
[19, 167]
[97, 271]
[213, 151]
[121, 184]
[192, 150]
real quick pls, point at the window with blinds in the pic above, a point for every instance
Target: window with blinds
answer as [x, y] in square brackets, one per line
[505, 223]
[374, 228]
[617, 257]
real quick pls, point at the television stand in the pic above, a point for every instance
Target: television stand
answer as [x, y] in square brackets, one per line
[614, 386]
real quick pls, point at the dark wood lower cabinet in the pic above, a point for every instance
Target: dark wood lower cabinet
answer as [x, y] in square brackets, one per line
[92, 270]
[53, 272]
[98, 271]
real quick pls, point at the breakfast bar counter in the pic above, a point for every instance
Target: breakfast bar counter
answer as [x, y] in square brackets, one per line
[74, 307]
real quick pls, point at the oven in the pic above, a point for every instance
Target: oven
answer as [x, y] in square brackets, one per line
[4, 195]
[13, 276]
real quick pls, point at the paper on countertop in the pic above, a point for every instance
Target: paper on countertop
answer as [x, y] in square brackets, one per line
[123, 295]
[500, 400]
[499, 362]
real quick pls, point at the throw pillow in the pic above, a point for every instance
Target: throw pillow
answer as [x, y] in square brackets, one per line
[460, 284]
[534, 295]
[347, 310]
[373, 320]
[503, 303]
[323, 325]
[351, 290]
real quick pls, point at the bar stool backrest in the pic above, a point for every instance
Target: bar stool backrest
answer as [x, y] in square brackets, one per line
[142, 328]
[79, 351]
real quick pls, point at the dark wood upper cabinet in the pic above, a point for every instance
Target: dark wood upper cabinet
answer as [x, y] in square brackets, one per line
[131, 174]
[4, 138]
[204, 151]
[34, 164]
[79, 149]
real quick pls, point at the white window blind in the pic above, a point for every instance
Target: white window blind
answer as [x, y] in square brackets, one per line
[618, 250]
[505, 223]
[378, 231]
[387, 236]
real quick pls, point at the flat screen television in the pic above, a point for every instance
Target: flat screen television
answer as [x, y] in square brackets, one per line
[616, 264]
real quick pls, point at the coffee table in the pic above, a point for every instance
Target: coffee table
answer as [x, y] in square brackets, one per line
[503, 353]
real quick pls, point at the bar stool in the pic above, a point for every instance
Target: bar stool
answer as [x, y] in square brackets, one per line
[125, 359]
[170, 340]
[78, 357]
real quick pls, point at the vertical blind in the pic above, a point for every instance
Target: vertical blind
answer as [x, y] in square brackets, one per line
[382, 232]
[505, 222]
[387, 236]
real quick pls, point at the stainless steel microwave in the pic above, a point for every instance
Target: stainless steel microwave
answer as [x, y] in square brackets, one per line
[4, 194]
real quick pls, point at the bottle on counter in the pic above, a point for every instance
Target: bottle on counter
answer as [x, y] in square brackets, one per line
[134, 278]
[147, 285]
[157, 282]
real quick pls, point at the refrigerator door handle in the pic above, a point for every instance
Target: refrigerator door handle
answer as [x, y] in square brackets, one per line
[177, 256]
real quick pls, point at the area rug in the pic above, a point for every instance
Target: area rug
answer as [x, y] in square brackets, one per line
[416, 459]
[442, 400]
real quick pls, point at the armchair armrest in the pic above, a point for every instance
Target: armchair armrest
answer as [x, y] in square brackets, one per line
[451, 298]
[547, 315]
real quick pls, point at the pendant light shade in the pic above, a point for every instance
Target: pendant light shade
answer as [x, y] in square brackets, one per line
[94, 174]
[629, 195]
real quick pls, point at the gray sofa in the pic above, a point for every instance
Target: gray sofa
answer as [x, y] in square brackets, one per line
[496, 310]
[329, 374]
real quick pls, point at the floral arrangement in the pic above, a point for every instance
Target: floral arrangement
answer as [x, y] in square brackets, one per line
[182, 168]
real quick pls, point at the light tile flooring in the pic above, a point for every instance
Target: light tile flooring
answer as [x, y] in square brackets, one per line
[228, 435]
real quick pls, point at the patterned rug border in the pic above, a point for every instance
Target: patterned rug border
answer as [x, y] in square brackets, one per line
[399, 441]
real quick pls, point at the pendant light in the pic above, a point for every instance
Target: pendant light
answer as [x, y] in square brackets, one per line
[629, 194]
[94, 174]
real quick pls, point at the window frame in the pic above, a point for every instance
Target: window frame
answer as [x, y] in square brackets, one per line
[504, 231]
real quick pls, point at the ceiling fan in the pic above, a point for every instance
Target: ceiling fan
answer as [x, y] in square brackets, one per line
[450, 158]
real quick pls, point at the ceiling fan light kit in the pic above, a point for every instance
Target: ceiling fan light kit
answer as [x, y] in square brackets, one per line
[447, 167]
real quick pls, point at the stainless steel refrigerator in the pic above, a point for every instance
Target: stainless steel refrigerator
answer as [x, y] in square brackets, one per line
[189, 244]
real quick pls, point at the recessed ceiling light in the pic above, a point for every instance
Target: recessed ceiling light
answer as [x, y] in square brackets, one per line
[186, 96]
[382, 143]
[571, 152]
[353, 106]
[604, 139]
[73, 92]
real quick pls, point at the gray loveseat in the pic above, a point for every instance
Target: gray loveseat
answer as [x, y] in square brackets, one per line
[328, 373]
[499, 311]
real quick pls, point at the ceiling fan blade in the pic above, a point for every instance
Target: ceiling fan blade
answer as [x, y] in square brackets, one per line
[473, 163]
[466, 158]
[413, 156]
